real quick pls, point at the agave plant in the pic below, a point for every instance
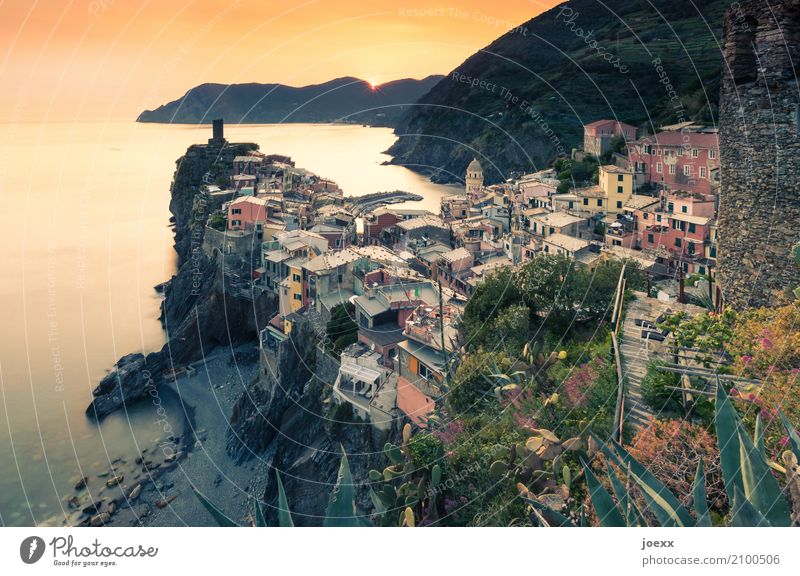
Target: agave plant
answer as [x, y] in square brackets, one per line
[756, 495]
[340, 512]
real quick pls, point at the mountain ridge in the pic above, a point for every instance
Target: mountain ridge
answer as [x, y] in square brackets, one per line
[341, 99]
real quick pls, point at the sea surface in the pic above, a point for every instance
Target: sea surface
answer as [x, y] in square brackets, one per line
[85, 238]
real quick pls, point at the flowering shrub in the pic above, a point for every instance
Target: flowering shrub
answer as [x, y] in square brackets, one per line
[766, 346]
[672, 449]
[578, 384]
[450, 433]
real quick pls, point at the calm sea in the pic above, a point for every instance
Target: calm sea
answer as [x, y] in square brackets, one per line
[85, 238]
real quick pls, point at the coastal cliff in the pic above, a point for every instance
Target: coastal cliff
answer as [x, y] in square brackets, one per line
[201, 310]
[284, 420]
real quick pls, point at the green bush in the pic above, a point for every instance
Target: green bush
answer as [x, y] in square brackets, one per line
[657, 396]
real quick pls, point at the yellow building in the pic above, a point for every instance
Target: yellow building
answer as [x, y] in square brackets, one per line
[617, 184]
[296, 285]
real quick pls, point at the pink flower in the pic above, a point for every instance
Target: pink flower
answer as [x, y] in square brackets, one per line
[734, 392]
[766, 343]
[746, 360]
[784, 441]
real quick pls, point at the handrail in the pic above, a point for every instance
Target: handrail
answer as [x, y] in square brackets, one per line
[619, 411]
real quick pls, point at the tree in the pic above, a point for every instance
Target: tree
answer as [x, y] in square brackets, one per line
[497, 292]
[341, 328]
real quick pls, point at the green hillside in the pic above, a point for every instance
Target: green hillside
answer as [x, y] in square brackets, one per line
[576, 63]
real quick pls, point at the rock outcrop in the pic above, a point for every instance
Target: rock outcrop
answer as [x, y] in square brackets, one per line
[759, 207]
[201, 309]
[283, 419]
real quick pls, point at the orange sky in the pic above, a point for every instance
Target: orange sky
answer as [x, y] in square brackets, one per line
[109, 59]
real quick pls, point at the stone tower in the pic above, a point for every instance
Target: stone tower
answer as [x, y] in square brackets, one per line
[759, 209]
[474, 179]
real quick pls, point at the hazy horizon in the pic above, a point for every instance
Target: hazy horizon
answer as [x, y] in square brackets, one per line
[105, 59]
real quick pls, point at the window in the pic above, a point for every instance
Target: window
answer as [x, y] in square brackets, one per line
[690, 247]
[585, 201]
[619, 203]
[672, 168]
[660, 168]
[678, 242]
[650, 239]
[571, 203]
[695, 153]
[619, 178]
[648, 149]
[236, 211]
[712, 153]
[599, 202]
[298, 297]
[702, 172]
[687, 170]
[646, 216]
[684, 209]
[659, 151]
[692, 228]
[702, 269]
[295, 277]
[619, 189]
[552, 230]
[671, 207]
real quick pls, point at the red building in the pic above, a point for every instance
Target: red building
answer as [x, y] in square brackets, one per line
[598, 136]
[677, 161]
[378, 221]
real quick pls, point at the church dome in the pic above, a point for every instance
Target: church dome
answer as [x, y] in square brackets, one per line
[475, 166]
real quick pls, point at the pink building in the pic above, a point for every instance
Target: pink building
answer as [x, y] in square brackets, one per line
[598, 135]
[676, 160]
[247, 213]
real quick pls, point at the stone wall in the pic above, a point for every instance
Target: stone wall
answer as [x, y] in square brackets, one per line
[759, 212]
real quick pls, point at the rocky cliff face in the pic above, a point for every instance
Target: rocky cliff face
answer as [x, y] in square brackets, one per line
[759, 207]
[199, 310]
[284, 420]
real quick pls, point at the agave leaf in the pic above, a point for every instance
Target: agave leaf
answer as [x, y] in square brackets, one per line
[549, 517]
[258, 514]
[284, 515]
[607, 511]
[727, 424]
[219, 516]
[341, 510]
[745, 514]
[794, 437]
[761, 488]
[700, 500]
[661, 501]
[758, 436]
[632, 515]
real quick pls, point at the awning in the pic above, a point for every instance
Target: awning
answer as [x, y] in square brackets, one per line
[360, 373]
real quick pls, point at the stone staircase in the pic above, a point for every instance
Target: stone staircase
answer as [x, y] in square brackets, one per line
[635, 352]
[316, 323]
